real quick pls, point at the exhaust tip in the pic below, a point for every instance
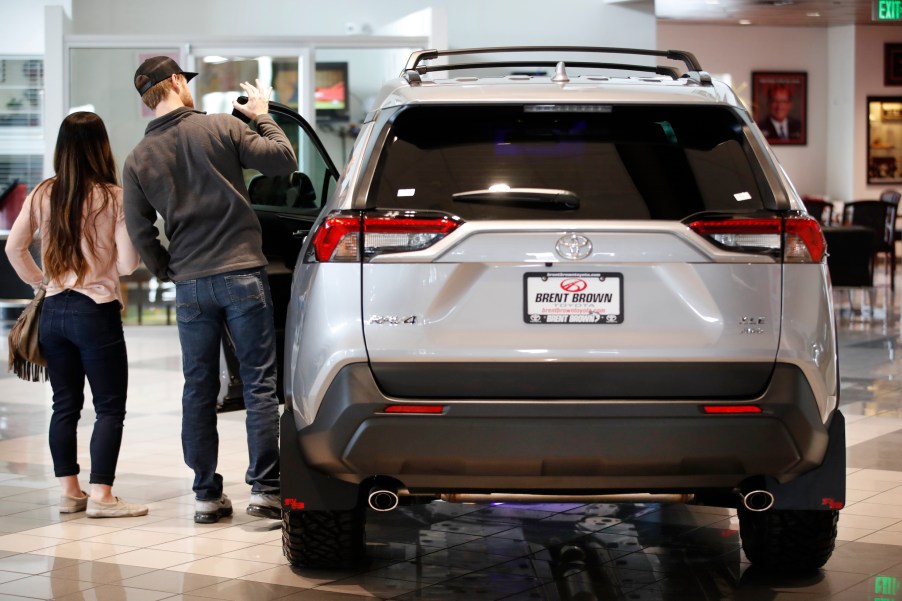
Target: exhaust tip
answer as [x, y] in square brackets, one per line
[381, 499]
[758, 500]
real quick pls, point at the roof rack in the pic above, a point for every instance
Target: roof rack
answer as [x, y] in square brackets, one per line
[415, 66]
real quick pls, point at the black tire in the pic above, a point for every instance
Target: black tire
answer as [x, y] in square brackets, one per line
[788, 541]
[324, 539]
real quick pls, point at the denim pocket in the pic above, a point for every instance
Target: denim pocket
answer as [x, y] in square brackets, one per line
[186, 306]
[245, 291]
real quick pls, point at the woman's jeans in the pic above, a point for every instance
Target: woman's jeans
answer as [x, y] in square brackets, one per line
[82, 339]
[242, 300]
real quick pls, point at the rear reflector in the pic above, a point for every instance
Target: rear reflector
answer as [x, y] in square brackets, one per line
[731, 409]
[415, 409]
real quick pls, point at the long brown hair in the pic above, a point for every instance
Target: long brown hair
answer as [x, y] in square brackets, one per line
[83, 161]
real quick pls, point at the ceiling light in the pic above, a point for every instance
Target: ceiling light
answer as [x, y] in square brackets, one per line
[813, 14]
[744, 22]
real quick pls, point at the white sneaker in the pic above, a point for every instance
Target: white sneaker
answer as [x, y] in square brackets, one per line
[209, 512]
[265, 505]
[119, 509]
[73, 504]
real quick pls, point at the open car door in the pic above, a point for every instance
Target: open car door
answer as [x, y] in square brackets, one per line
[286, 206]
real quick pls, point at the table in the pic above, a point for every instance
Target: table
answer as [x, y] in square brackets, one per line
[850, 255]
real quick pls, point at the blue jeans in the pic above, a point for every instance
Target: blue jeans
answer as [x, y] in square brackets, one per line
[82, 339]
[242, 300]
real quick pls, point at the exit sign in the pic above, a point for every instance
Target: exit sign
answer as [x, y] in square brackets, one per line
[886, 10]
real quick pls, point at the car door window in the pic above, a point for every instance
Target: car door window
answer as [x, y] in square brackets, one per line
[287, 205]
[305, 190]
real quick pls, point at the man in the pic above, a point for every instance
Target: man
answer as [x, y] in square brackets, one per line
[778, 125]
[188, 168]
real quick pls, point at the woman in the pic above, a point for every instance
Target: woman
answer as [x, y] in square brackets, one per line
[84, 249]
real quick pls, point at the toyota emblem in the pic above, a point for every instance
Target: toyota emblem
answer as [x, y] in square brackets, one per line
[573, 247]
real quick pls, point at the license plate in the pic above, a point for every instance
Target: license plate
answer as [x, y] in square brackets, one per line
[581, 298]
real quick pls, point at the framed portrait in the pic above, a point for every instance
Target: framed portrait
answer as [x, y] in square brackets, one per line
[780, 106]
[892, 64]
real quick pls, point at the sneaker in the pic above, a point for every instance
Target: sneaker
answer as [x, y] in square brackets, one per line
[209, 512]
[73, 504]
[117, 509]
[265, 505]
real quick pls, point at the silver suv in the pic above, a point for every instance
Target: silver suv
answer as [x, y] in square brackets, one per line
[547, 278]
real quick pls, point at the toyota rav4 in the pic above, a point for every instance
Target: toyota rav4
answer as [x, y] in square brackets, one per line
[547, 277]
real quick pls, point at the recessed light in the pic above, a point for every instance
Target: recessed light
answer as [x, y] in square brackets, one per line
[744, 22]
[813, 14]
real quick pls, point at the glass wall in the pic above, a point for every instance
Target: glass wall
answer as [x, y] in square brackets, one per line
[21, 132]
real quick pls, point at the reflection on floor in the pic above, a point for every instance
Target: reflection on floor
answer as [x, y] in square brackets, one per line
[439, 551]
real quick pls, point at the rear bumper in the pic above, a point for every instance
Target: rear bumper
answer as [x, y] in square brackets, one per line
[555, 446]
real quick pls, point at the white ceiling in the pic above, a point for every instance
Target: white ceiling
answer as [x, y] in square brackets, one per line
[772, 13]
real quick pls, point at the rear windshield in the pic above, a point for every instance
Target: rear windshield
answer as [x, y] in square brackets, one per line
[597, 162]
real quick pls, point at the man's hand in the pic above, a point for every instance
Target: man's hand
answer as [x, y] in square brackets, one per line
[257, 100]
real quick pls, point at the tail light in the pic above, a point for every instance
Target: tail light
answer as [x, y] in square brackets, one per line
[798, 238]
[338, 237]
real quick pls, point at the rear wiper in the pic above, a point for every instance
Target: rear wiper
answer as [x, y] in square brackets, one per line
[560, 199]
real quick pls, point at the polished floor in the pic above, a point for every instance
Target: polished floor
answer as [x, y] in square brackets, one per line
[439, 551]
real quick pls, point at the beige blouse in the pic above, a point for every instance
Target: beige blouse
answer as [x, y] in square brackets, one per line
[115, 254]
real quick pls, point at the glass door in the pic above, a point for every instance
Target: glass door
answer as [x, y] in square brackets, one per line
[220, 74]
[885, 140]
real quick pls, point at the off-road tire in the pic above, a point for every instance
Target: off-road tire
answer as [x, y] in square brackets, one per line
[786, 540]
[324, 539]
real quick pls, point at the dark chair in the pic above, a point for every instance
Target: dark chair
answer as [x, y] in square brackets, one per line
[880, 217]
[819, 209]
[891, 196]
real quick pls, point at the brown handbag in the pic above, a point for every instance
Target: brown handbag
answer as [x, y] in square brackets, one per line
[25, 357]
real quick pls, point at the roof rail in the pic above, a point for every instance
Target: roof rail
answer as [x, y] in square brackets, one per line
[668, 71]
[695, 73]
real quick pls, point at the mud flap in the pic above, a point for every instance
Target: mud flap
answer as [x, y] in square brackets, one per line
[304, 488]
[821, 488]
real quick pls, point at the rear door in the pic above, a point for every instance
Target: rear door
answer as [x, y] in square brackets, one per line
[570, 266]
[287, 206]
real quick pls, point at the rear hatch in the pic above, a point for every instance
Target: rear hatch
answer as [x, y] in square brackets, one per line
[571, 252]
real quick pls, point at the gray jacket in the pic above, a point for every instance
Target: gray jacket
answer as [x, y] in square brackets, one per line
[188, 168]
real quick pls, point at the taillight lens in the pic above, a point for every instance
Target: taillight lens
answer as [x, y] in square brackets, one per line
[338, 236]
[799, 238]
[805, 241]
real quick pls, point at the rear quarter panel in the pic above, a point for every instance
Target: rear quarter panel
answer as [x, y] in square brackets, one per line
[323, 333]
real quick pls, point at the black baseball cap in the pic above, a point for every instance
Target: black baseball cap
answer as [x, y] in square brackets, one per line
[156, 69]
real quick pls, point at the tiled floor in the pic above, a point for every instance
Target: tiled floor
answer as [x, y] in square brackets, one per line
[439, 551]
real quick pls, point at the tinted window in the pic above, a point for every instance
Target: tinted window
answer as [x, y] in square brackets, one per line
[304, 191]
[622, 162]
